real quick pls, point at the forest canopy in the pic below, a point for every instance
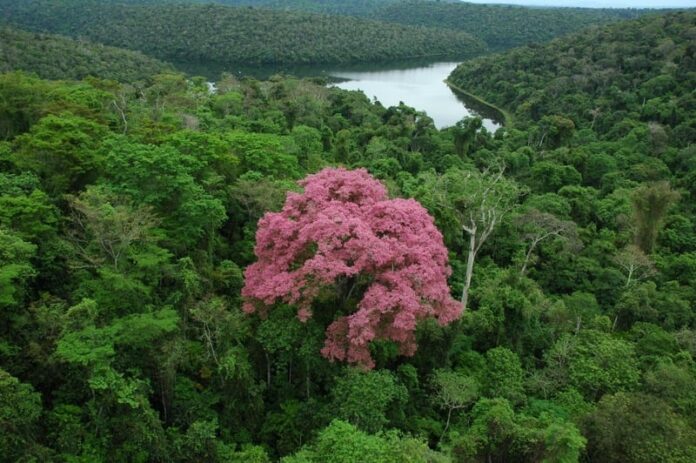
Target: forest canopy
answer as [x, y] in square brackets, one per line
[186, 33]
[171, 258]
[499, 26]
[56, 57]
[601, 78]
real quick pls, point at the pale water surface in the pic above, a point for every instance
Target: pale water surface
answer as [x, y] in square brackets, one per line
[421, 87]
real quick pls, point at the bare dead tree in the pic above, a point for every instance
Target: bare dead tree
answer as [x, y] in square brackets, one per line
[635, 264]
[541, 226]
[493, 197]
[478, 201]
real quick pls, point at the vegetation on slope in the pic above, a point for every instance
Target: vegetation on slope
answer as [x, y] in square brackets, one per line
[351, 7]
[642, 70]
[227, 35]
[500, 26]
[57, 57]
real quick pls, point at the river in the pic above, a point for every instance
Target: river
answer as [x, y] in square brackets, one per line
[418, 84]
[421, 87]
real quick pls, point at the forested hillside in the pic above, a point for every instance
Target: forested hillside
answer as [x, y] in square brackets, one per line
[56, 57]
[189, 276]
[351, 7]
[638, 71]
[186, 33]
[500, 26]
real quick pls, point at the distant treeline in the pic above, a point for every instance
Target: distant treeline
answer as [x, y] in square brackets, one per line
[221, 34]
[500, 26]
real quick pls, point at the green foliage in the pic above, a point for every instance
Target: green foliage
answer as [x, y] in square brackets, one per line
[239, 35]
[56, 57]
[587, 76]
[497, 433]
[128, 213]
[25, 208]
[264, 154]
[20, 409]
[454, 390]
[676, 385]
[650, 205]
[655, 433]
[487, 414]
[96, 346]
[170, 181]
[363, 398]
[500, 26]
[594, 363]
[15, 267]
[28, 99]
[341, 442]
[503, 376]
[61, 151]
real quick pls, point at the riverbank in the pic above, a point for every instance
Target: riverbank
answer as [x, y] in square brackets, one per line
[421, 87]
[506, 118]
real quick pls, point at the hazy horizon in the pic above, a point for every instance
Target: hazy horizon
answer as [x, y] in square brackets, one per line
[597, 3]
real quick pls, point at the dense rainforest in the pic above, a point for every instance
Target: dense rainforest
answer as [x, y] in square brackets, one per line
[601, 79]
[57, 57]
[186, 275]
[500, 26]
[352, 7]
[186, 33]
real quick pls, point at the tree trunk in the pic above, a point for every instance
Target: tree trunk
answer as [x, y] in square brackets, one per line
[444, 431]
[469, 270]
[526, 259]
[307, 379]
[630, 277]
[290, 371]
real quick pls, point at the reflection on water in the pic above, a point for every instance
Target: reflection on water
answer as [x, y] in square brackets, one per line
[416, 83]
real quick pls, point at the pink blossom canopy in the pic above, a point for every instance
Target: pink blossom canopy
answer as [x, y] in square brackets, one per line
[344, 226]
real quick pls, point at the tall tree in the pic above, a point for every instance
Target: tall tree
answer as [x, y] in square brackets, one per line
[454, 391]
[472, 202]
[343, 232]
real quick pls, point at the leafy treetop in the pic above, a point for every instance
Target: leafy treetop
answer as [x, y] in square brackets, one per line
[344, 229]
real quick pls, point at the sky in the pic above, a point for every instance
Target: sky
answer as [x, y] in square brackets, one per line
[599, 3]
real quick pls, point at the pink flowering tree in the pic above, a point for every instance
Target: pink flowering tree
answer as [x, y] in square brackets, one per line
[341, 234]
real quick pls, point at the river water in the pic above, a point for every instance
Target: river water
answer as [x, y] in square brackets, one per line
[421, 87]
[418, 84]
